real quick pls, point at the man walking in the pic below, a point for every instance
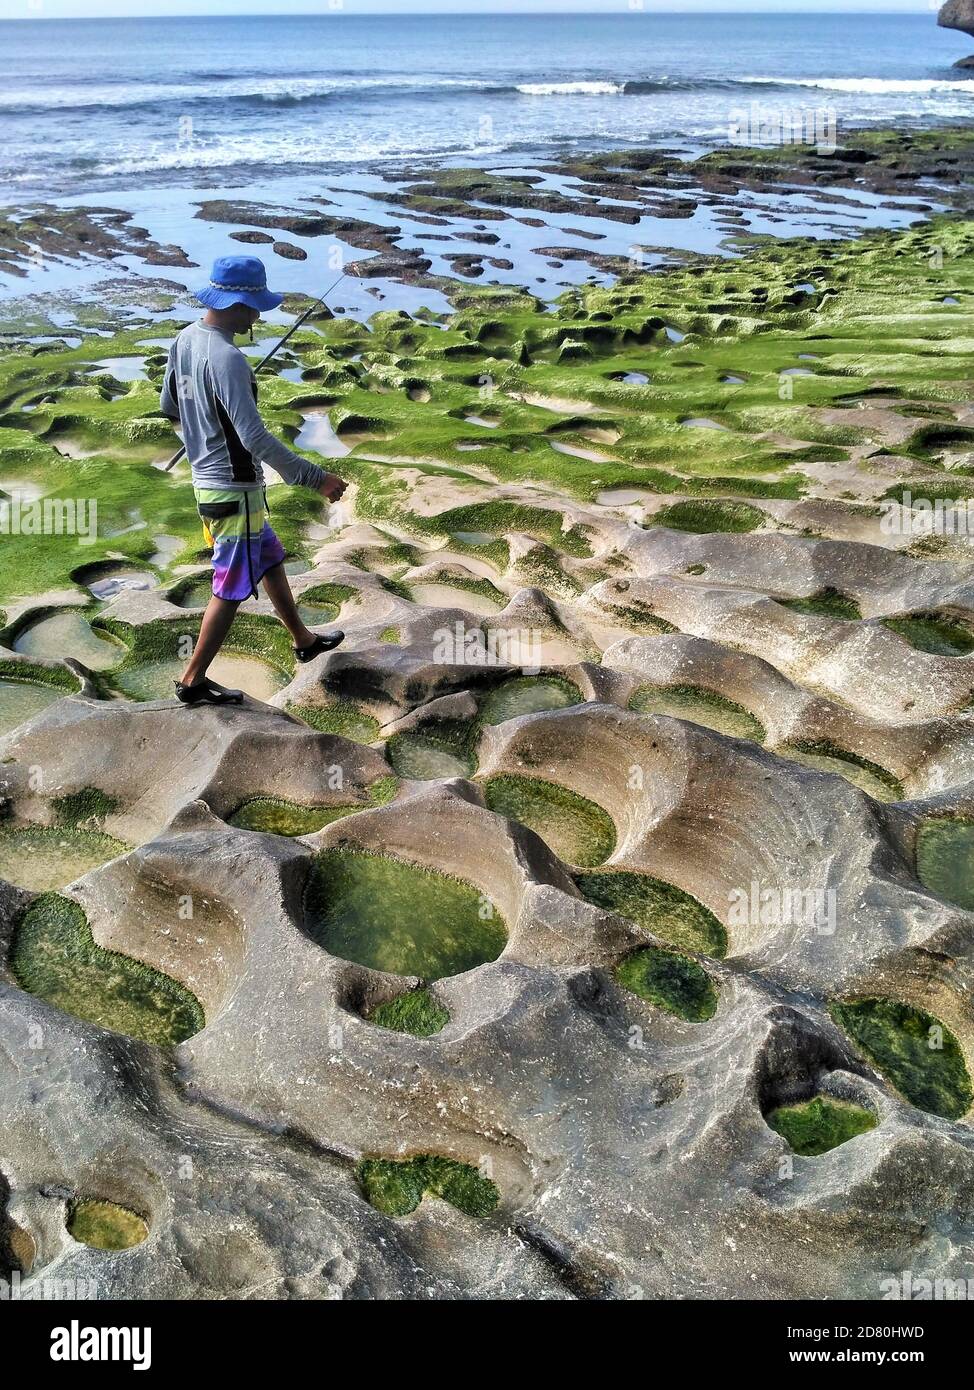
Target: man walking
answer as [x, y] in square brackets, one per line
[211, 391]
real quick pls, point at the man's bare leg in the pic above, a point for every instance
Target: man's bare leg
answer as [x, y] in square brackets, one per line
[220, 613]
[278, 590]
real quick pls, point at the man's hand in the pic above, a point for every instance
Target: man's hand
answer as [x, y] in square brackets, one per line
[332, 487]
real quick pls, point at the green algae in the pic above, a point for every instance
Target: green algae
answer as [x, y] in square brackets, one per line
[671, 981]
[57, 678]
[824, 756]
[699, 706]
[703, 516]
[324, 601]
[528, 695]
[55, 956]
[813, 1127]
[826, 603]
[39, 857]
[945, 859]
[273, 815]
[192, 592]
[916, 1053]
[539, 568]
[934, 633]
[415, 1012]
[342, 717]
[89, 806]
[638, 615]
[106, 1225]
[399, 917]
[436, 749]
[578, 830]
[663, 909]
[744, 322]
[397, 1186]
[542, 523]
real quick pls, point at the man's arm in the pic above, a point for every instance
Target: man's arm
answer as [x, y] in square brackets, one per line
[234, 390]
[168, 401]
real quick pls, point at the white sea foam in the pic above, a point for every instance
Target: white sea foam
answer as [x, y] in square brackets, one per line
[230, 152]
[571, 89]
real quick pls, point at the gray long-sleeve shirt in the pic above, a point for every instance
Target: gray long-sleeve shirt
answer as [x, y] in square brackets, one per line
[210, 389]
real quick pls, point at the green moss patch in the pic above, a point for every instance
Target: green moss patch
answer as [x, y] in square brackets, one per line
[705, 516]
[416, 1012]
[397, 917]
[671, 981]
[699, 706]
[89, 806]
[40, 857]
[275, 816]
[827, 603]
[193, 592]
[579, 831]
[496, 517]
[56, 957]
[328, 595]
[321, 603]
[945, 859]
[341, 717]
[528, 695]
[57, 678]
[815, 1126]
[661, 908]
[396, 1187]
[916, 1053]
[106, 1226]
[930, 632]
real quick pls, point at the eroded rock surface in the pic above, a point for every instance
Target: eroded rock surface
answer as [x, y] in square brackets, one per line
[645, 772]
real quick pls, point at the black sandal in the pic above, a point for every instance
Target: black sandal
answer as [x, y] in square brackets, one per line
[207, 692]
[319, 645]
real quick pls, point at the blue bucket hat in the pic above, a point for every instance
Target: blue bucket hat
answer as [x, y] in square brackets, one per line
[238, 280]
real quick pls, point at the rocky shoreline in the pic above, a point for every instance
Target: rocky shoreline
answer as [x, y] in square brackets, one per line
[595, 923]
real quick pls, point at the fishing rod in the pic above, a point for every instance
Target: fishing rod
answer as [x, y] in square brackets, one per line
[274, 350]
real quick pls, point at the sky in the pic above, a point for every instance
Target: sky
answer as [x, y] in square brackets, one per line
[90, 9]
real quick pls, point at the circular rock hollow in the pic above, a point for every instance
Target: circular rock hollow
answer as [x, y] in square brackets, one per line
[577, 829]
[105, 1225]
[399, 917]
[945, 858]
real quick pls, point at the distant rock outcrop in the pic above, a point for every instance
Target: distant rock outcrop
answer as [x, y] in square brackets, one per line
[957, 14]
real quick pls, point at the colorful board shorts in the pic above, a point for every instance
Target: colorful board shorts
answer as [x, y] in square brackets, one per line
[244, 546]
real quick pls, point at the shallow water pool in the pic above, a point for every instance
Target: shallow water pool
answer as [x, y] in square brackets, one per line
[20, 701]
[69, 633]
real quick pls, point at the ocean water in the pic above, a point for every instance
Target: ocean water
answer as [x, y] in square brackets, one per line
[101, 104]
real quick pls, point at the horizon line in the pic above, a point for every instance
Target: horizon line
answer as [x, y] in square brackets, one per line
[458, 14]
